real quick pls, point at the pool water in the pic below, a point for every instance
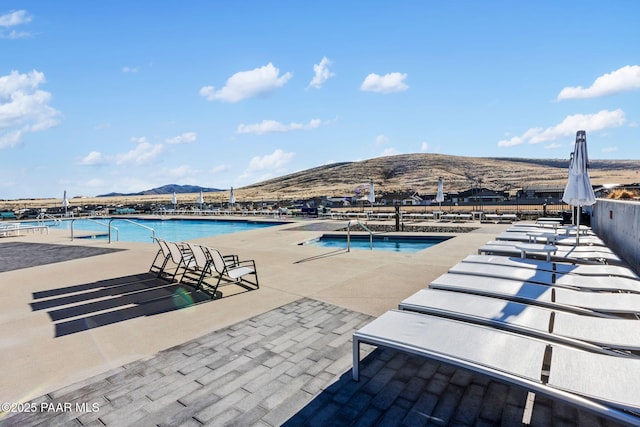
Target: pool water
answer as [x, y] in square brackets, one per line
[174, 230]
[410, 244]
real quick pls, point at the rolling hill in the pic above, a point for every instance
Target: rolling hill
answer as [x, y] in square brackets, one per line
[419, 172]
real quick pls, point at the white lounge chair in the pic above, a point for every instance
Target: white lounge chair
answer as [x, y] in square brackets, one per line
[557, 267]
[589, 303]
[237, 271]
[200, 266]
[173, 252]
[592, 283]
[603, 384]
[162, 258]
[584, 254]
[558, 239]
[569, 328]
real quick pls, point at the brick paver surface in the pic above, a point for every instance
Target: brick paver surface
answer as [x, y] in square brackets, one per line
[291, 366]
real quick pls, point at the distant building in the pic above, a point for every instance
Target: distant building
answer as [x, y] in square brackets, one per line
[481, 195]
[551, 192]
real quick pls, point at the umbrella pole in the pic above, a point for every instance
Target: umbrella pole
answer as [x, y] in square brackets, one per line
[578, 227]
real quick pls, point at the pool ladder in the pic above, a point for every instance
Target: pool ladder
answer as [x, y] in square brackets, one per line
[349, 234]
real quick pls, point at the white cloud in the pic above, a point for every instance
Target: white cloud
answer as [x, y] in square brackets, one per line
[24, 108]
[604, 119]
[186, 137]
[248, 84]
[142, 153]
[609, 149]
[139, 139]
[381, 139]
[275, 160]
[270, 126]
[424, 147]
[180, 171]
[389, 83]
[220, 169]
[127, 69]
[389, 152]
[322, 73]
[94, 158]
[621, 80]
[12, 19]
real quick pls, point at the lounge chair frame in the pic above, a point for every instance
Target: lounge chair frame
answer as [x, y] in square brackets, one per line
[529, 373]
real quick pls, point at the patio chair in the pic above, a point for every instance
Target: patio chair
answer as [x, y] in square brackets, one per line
[163, 256]
[602, 384]
[602, 335]
[556, 267]
[173, 252]
[592, 283]
[199, 267]
[231, 269]
[581, 302]
[581, 254]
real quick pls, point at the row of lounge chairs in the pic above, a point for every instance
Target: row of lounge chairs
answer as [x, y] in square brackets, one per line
[568, 329]
[202, 267]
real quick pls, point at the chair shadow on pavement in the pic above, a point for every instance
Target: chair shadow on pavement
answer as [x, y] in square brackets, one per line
[87, 306]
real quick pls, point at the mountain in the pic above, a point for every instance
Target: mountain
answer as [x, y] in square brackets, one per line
[165, 189]
[419, 172]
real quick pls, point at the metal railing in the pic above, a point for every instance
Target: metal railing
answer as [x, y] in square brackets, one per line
[153, 232]
[349, 234]
[97, 222]
[44, 216]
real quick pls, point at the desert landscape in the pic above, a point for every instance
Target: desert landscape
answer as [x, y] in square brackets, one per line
[407, 172]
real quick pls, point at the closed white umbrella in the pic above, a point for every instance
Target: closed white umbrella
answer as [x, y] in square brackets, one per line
[200, 200]
[65, 202]
[579, 191]
[372, 195]
[232, 198]
[440, 193]
[174, 199]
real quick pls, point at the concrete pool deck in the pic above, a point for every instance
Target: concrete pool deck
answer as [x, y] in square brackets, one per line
[295, 330]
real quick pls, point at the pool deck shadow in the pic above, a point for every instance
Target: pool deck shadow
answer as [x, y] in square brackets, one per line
[87, 306]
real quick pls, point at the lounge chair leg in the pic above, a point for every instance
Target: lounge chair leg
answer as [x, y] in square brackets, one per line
[356, 359]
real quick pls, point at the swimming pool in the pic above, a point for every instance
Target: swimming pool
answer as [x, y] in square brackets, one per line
[175, 230]
[409, 244]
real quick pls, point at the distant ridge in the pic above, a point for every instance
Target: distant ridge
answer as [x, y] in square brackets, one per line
[166, 189]
[419, 172]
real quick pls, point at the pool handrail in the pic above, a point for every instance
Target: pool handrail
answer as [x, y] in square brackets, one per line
[109, 226]
[349, 234]
[153, 232]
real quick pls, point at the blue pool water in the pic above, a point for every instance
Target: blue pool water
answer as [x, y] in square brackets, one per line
[175, 230]
[380, 243]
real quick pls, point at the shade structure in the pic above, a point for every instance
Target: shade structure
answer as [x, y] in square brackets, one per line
[372, 195]
[232, 197]
[174, 199]
[440, 193]
[578, 191]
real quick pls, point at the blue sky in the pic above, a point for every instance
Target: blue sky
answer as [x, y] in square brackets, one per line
[124, 96]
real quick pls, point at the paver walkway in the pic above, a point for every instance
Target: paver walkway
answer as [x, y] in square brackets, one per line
[290, 366]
